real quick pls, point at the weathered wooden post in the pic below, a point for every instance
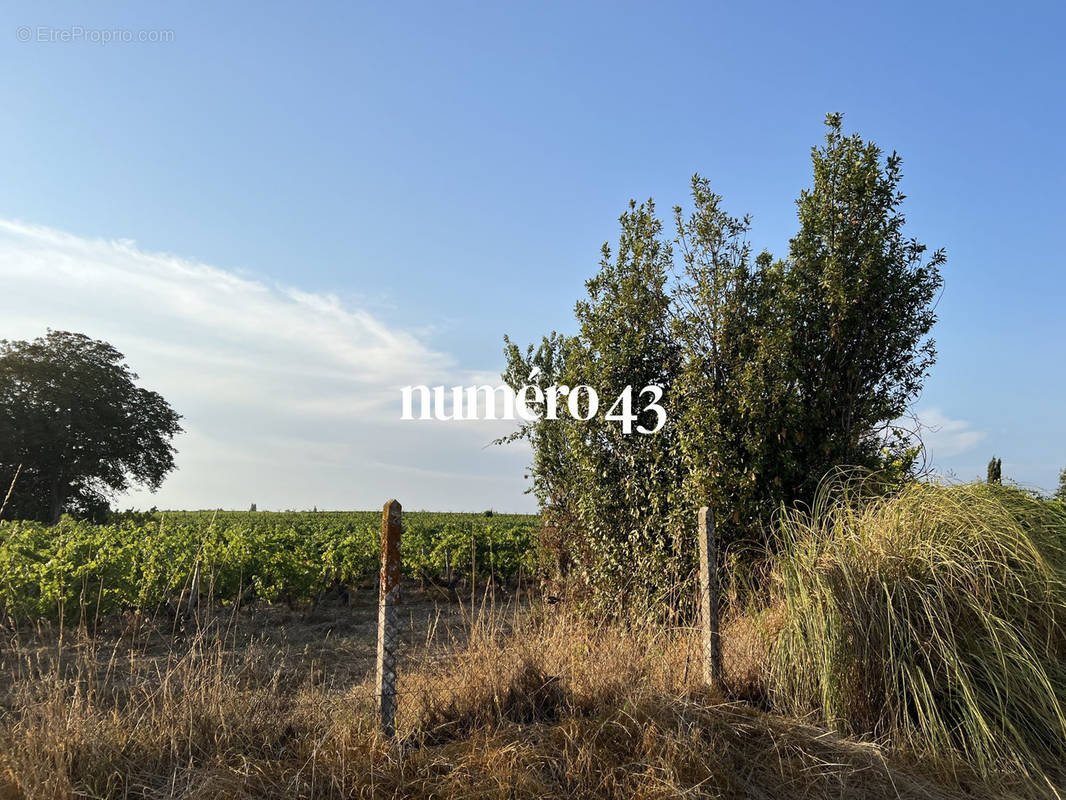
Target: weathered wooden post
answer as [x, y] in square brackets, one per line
[388, 597]
[712, 650]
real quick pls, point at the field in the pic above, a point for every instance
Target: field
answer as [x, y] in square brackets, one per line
[147, 562]
[507, 702]
[909, 646]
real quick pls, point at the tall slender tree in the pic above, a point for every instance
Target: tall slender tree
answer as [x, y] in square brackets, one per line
[860, 299]
[995, 471]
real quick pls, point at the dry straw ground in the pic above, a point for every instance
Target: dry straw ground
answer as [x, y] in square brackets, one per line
[511, 704]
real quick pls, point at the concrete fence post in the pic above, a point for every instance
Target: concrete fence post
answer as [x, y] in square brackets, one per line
[388, 597]
[712, 649]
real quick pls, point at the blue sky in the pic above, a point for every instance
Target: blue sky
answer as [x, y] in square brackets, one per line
[427, 177]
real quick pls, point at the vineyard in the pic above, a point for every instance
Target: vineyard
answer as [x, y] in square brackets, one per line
[148, 561]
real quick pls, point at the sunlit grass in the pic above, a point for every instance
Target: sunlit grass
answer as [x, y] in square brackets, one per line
[932, 619]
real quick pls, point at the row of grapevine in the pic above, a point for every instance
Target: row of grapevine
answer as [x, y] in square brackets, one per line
[145, 561]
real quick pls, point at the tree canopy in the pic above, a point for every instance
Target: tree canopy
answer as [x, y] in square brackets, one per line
[76, 428]
[775, 371]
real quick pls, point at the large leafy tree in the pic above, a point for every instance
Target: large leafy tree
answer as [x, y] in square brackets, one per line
[76, 428]
[860, 303]
[613, 492]
[735, 402]
[776, 371]
[627, 482]
[795, 367]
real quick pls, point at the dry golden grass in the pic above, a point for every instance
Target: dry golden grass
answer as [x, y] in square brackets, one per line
[934, 618]
[515, 705]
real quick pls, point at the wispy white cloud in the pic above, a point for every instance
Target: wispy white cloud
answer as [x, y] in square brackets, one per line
[290, 398]
[944, 437]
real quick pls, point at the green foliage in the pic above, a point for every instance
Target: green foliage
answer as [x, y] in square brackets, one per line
[553, 463]
[735, 400]
[144, 561]
[617, 490]
[934, 618]
[799, 366]
[859, 299]
[75, 428]
[995, 470]
[775, 372]
[1060, 493]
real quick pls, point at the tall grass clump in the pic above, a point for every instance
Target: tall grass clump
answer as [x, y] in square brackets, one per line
[932, 619]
